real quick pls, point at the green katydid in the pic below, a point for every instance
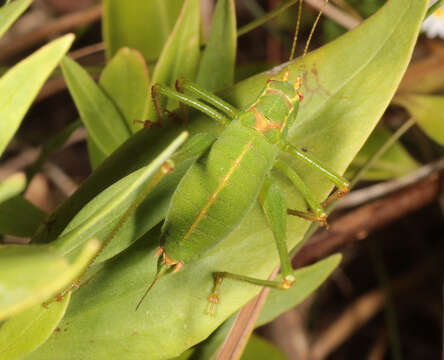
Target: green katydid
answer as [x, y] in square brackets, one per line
[235, 172]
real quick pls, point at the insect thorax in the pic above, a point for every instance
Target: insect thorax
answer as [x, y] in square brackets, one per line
[274, 110]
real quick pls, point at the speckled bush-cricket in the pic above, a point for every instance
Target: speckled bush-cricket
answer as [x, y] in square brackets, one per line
[220, 188]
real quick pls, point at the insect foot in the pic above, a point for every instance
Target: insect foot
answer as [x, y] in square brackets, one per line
[60, 296]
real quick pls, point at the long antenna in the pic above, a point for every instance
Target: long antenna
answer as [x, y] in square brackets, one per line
[296, 34]
[307, 44]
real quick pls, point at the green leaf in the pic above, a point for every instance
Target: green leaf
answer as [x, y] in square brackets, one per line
[355, 80]
[130, 157]
[260, 349]
[308, 279]
[105, 125]
[395, 162]
[216, 70]
[19, 217]
[26, 331]
[103, 215]
[180, 55]
[96, 156]
[12, 186]
[125, 79]
[141, 25]
[10, 12]
[31, 274]
[427, 110]
[20, 85]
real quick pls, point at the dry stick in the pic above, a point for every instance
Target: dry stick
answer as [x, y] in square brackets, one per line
[357, 224]
[343, 4]
[88, 50]
[60, 25]
[336, 14]
[379, 190]
[366, 307]
[28, 156]
[60, 179]
[243, 326]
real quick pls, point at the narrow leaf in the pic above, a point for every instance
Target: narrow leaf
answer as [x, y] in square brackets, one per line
[105, 124]
[216, 70]
[395, 162]
[141, 25]
[308, 279]
[103, 215]
[180, 56]
[20, 85]
[10, 12]
[31, 274]
[125, 79]
[427, 110]
[26, 331]
[12, 186]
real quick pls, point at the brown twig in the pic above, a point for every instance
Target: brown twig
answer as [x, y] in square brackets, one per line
[87, 50]
[243, 326]
[359, 197]
[60, 25]
[359, 223]
[336, 14]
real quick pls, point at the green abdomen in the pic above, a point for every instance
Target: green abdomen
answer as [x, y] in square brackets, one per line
[217, 192]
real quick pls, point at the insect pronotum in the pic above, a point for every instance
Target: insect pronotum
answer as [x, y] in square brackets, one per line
[237, 165]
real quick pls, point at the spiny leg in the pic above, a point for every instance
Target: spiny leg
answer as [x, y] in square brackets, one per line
[342, 184]
[274, 205]
[317, 212]
[159, 89]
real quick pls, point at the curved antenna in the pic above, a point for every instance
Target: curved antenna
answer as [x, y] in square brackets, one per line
[307, 44]
[296, 33]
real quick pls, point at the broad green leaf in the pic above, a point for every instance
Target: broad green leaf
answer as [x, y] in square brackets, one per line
[31, 274]
[348, 85]
[10, 12]
[216, 70]
[104, 213]
[26, 331]
[260, 349]
[19, 217]
[308, 279]
[125, 79]
[12, 186]
[20, 85]
[180, 55]
[427, 110]
[141, 25]
[105, 125]
[395, 162]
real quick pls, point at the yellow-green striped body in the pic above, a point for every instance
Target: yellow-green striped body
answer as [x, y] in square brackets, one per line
[220, 188]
